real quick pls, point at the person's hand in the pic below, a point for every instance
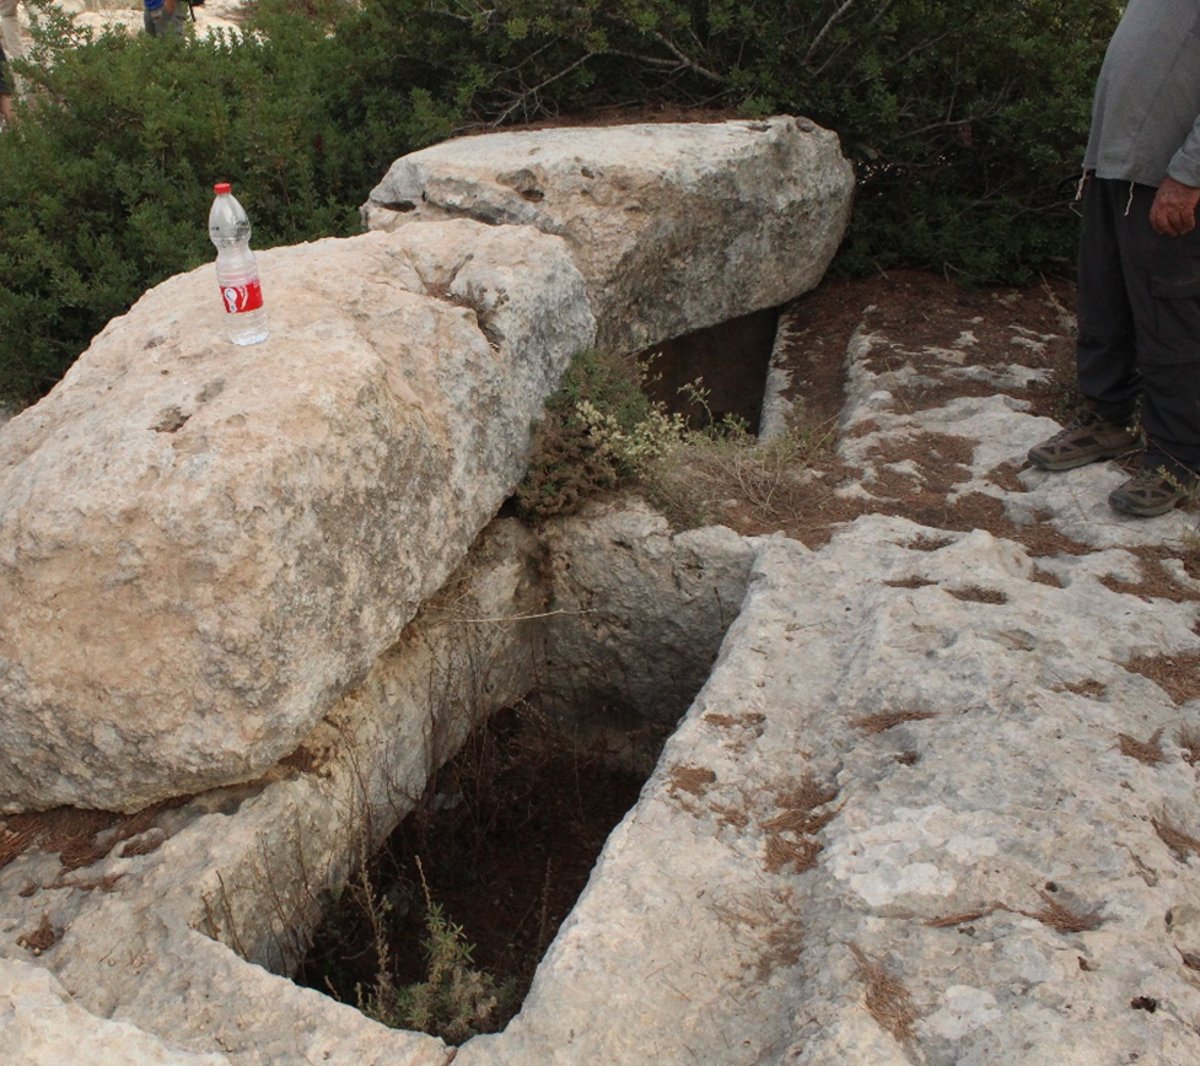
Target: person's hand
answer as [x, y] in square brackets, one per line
[169, 8]
[1173, 212]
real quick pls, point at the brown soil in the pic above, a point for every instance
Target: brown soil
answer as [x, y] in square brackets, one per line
[918, 311]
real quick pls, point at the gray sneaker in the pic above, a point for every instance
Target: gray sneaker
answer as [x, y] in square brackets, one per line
[1154, 491]
[1087, 438]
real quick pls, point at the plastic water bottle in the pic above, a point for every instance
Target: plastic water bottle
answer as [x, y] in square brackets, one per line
[237, 271]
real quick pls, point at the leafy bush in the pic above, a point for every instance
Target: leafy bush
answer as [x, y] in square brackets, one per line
[966, 120]
[456, 1001]
[106, 182]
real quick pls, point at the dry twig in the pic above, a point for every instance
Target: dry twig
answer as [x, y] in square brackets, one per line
[879, 723]
[1060, 917]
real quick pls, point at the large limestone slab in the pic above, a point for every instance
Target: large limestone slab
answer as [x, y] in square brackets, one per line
[676, 226]
[203, 546]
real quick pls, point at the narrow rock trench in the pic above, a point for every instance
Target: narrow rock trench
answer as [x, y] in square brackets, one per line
[727, 363]
[500, 833]
[502, 842]
[505, 835]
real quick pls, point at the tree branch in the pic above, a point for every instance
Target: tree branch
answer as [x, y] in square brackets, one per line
[821, 33]
[526, 94]
[683, 60]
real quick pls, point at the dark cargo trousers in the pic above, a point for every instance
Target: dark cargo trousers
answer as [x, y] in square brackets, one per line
[1139, 322]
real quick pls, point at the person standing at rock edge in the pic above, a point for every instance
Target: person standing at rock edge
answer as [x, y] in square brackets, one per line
[1139, 263]
[165, 18]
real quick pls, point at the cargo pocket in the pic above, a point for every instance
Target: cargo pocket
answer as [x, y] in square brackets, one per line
[1176, 297]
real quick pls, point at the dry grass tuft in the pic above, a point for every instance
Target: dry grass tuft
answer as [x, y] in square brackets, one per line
[887, 1000]
[1156, 580]
[975, 594]
[1090, 689]
[910, 583]
[729, 816]
[71, 833]
[1148, 751]
[964, 918]
[1176, 839]
[1005, 476]
[1058, 916]
[926, 543]
[79, 837]
[742, 729]
[15, 837]
[770, 927]
[145, 846]
[1045, 577]
[880, 723]
[107, 883]
[722, 721]
[800, 821]
[805, 795]
[798, 802]
[781, 948]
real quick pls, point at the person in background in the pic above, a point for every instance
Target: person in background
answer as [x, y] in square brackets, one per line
[10, 29]
[6, 108]
[164, 18]
[1139, 264]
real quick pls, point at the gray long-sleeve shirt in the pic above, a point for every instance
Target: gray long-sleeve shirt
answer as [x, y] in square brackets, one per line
[1146, 113]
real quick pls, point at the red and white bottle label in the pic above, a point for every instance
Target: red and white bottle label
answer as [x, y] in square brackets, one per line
[241, 298]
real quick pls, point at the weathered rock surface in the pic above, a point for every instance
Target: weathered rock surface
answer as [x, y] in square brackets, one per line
[202, 546]
[641, 611]
[934, 804]
[43, 1026]
[903, 822]
[675, 226]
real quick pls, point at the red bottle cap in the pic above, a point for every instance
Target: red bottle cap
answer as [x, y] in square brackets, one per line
[222, 187]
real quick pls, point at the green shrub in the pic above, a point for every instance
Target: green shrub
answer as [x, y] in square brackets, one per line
[106, 182]
[965, 118]
[456, 1001]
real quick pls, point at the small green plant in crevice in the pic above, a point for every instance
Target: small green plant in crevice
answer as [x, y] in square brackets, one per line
[600, 431]
[456, 1001]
